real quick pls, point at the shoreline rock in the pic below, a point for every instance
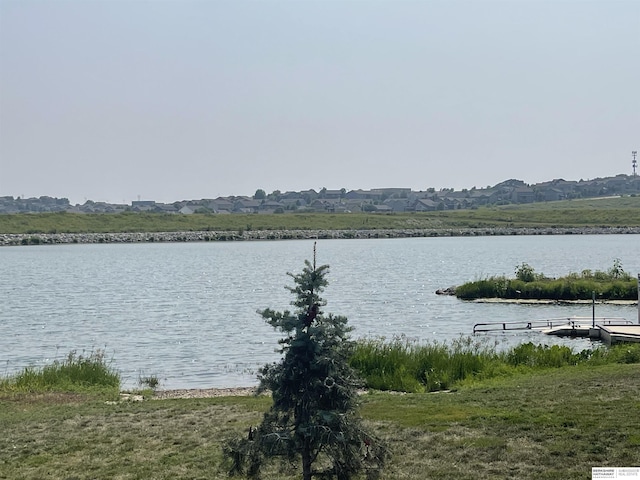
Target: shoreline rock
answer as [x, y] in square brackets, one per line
[451, 291]
[252, 235]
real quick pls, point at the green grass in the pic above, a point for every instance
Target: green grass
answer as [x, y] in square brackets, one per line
[615, 212]
[551, 424]
[551, 289]
[77, 374]
[408, 366]
[531, 412]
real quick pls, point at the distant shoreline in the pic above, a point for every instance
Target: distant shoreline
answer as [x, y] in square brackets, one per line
[252, 235]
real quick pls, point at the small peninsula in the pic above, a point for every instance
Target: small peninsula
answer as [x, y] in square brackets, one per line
[613, 285]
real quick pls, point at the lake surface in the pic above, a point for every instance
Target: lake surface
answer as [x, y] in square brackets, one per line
[186, 312]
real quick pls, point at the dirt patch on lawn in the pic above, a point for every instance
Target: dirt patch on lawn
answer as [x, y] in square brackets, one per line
[44, 397]
[204, 393]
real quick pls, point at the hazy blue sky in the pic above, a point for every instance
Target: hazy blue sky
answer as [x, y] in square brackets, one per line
[171, 100]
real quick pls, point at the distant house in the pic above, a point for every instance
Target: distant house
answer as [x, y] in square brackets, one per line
[589, 188]
[554, 190]
[143, 203]
[270, 206]
[320, 205]
[289, 195]
[220, 205]
[450, 203]
[523, 195]
[616, 184]
[395, 192]
[550, 195]
[424, 205]
[309, 195]
[356, 195]
[187, 210]
[246, 205]
[382, 208]
[351, 205]
[566, 187]
[397, 204]
[483, 197]
[332, 194]
[293, 203]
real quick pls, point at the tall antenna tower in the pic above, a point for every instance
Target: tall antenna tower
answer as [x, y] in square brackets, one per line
[634, 163]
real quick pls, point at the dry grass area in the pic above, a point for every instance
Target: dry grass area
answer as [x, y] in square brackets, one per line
[555, 424]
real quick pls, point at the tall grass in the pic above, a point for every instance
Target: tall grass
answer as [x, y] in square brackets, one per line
[76, 373]
[405, 365]
[560, 289]
[408, 366]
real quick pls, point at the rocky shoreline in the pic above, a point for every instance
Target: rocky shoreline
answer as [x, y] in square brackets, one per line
[217, 236]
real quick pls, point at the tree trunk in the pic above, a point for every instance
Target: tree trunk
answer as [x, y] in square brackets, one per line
[306, 461]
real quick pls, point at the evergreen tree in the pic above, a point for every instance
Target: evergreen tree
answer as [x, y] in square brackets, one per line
[313, 417]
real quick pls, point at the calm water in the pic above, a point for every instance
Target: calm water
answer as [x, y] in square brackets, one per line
[186, 312]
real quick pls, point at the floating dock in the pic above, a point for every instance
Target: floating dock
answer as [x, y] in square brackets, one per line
[609, 330]
[612, 334]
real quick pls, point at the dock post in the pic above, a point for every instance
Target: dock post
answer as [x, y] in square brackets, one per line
[639, 299]
[593, 309]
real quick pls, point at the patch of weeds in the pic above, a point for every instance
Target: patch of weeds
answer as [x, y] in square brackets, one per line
[150, 381]
[77, 373]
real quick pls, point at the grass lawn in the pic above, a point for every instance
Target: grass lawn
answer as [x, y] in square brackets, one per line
[553, 424]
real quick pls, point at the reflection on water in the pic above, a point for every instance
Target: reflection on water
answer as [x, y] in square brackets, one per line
[187, 312]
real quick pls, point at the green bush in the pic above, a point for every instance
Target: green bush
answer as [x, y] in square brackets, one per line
[525, 272]
[621, 353]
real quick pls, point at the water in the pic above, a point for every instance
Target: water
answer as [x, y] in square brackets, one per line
[186, 312]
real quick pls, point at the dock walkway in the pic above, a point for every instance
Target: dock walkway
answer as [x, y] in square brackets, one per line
[612, 334]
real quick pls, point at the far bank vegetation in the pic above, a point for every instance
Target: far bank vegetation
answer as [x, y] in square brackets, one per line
[614, 284]
[601, 213]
